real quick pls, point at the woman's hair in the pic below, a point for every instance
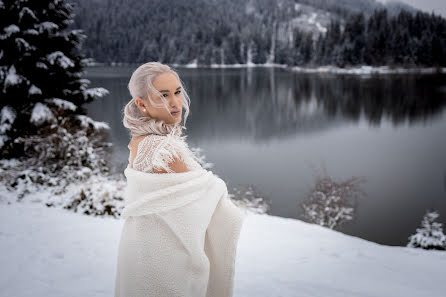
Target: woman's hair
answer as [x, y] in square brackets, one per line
[140, 85]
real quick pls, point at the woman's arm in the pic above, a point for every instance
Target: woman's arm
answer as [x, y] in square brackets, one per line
[177, 166]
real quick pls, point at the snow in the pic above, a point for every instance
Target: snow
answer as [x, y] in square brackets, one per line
[87, 121]
[31, 32]
[33, 90]
[41, 113]
[95, 92]
[84, 82]
[7, 118]
[312, 20]
[26, 10]
[365, 69]
[54, 252]
[64, 104]
[192, 64]
[12, 78]
[59, 58]
[41, 65]
[22, 43]
[3, 139]
[78, 32]
[68, 22]
[11, 29]
[46, 26]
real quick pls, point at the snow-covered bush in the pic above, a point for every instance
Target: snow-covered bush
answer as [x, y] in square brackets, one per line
[331, 203]
[99, 196]
[87, 193]
[430, 235]
[249, 198]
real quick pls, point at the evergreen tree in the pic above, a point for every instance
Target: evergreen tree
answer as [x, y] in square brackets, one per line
[376, 50]
[430, 235]
[400, 50]
[42, 90]
[331, 52]
[319, 50]
[424, 56]
[307, 47]
[402, 39]
[298, 54]
[355, 34]
[353, 40]
[439, 41]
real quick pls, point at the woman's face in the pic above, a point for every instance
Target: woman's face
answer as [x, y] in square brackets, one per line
[169, 86]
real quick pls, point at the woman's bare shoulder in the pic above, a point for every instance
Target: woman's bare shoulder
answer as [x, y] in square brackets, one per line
[136, 140]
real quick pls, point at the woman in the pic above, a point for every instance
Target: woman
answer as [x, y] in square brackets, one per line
[181, 230]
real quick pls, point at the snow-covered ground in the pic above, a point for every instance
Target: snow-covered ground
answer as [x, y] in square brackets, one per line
[358, 70]
[54, 252]
[365, 69]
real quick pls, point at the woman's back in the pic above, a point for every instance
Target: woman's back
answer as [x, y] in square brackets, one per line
[161, 154]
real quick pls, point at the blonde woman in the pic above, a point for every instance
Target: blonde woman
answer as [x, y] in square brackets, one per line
[181, 230]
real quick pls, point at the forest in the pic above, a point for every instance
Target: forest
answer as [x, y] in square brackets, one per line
[291, 32]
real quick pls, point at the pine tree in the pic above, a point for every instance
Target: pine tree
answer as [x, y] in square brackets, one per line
[42, 90]
[430, 235]
[332, 47]
[298, 58]
[376, 47]
[319, 51]
[353, 40]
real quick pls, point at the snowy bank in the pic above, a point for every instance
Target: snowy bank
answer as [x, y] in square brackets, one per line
[365, 69]
[55, 252]
[358, 70]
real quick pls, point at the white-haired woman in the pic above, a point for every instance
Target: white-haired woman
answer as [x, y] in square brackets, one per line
[154, 117]
[181, 230]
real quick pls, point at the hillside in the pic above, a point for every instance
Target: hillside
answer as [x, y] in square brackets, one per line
[214, 32]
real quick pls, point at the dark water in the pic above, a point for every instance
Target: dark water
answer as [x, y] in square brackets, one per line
[266, 126]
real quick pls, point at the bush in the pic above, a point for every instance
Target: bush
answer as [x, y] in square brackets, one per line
[430, 235]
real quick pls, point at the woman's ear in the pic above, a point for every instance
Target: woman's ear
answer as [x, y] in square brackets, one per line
[140, 104]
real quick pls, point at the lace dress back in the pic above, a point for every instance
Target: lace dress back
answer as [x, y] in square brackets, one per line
[157, 151]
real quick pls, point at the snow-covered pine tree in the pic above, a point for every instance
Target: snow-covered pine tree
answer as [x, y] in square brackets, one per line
[41, 86]
[430, 235]
[41, 67]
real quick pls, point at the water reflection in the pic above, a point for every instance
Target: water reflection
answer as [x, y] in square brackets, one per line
[264, 103]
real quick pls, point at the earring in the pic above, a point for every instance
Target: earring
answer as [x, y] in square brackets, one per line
[145, 110]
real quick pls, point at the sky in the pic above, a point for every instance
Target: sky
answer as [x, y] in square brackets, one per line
[438, 6]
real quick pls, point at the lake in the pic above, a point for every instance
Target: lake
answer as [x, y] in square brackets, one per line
[269, 126]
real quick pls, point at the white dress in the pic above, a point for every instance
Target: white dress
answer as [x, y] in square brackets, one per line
[157, 151]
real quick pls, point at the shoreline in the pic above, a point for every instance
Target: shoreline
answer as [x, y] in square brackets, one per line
[357, 70]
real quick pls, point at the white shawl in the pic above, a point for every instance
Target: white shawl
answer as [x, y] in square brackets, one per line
[179, 236]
